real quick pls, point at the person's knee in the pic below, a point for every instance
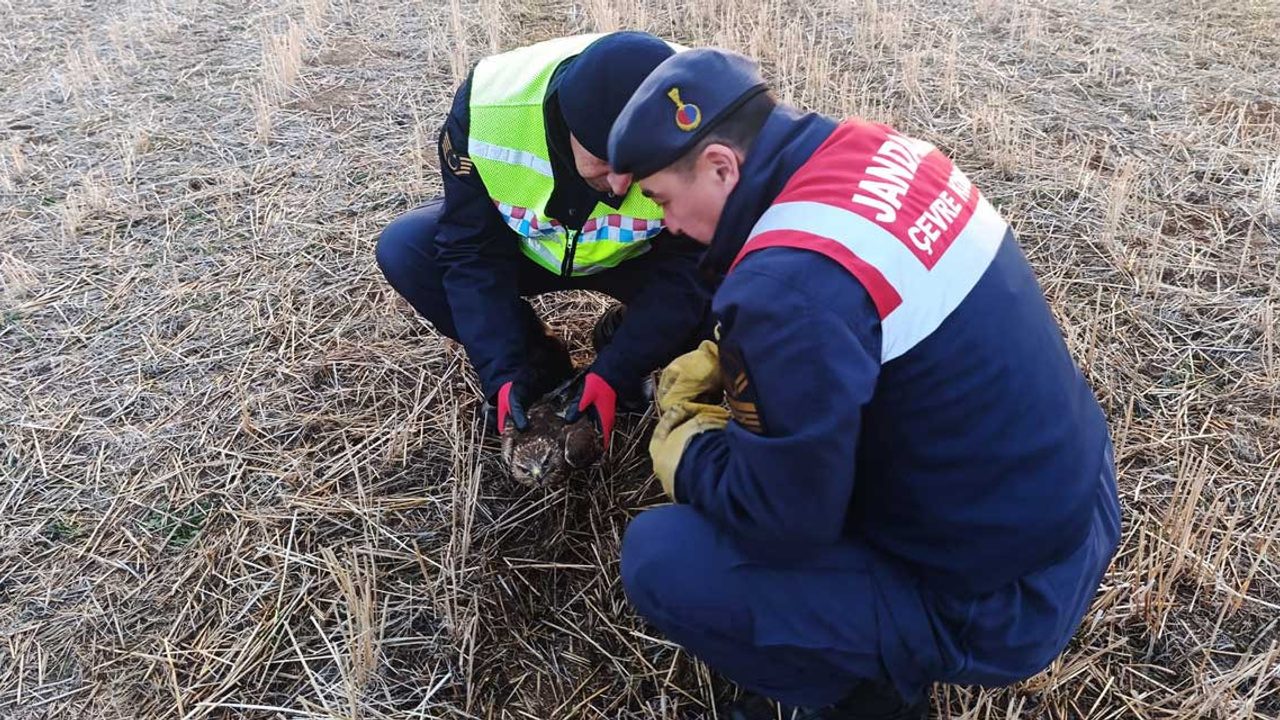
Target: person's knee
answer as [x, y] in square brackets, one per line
[389, 252]
[661, 550]
[398, 247]
[405, 244]
[405, 255]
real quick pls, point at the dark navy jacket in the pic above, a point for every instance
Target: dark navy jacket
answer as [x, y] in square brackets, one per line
[478, 251]
[973, 460]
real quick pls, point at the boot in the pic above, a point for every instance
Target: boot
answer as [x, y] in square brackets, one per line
[756, 707]
[638, 398]
[606, 325]
[867, 701]
[548, 362]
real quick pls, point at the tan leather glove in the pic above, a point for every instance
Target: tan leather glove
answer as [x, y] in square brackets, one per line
[679, 423]
[696, 374]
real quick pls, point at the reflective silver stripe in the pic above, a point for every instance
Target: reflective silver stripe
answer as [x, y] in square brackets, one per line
[545, 253]
[593, 269]
[928, 296]
[510, 156]
[541, 250]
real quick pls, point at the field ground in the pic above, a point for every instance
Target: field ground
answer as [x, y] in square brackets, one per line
[239, 478]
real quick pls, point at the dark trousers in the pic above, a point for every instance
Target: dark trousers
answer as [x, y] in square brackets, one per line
[406, 257]
[804, 632]
[808, 631]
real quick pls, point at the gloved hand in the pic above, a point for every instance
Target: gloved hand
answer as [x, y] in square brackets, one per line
[694, 374]
[679, 423]
[512, 398]
[598, 395]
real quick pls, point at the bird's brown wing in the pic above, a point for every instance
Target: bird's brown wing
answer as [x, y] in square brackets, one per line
[582, 445]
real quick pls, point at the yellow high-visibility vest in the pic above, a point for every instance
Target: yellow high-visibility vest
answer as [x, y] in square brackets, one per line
[508, 146]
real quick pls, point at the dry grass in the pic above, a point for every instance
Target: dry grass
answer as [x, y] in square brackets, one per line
[238, 477]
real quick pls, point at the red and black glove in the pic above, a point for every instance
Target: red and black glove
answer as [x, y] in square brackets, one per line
[598, 396]
[511, 403]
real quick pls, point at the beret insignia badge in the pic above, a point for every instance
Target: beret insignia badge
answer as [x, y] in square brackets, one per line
[688, 115]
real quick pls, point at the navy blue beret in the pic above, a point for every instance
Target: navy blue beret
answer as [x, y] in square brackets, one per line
[678, 105]
[600, 80]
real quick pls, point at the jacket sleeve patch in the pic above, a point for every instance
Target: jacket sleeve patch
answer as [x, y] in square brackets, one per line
[740, 392]
[458, 164]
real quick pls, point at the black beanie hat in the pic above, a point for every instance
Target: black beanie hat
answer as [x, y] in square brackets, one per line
[601, 80]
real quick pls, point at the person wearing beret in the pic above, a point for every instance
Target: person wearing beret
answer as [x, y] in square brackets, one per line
[912, 481]
[527, 209]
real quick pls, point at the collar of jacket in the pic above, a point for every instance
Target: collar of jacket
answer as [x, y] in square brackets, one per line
[572, 200]
[786, 142]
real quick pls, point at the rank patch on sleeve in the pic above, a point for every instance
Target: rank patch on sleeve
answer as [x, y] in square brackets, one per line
[458, 164]
[741, 394]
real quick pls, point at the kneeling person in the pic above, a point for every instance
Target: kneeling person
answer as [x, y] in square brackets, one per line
[528, 208]
[913, 482]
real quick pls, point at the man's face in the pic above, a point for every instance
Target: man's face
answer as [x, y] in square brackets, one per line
[692, 198]
[596, 171]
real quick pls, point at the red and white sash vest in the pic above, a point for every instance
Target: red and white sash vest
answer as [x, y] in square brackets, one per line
[897, 214]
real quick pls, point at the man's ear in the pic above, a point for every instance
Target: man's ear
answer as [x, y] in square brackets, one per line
[723, 161]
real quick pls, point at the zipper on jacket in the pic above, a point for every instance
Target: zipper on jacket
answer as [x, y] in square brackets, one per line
[566, 267]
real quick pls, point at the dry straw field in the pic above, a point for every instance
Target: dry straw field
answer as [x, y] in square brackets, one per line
[239, 478]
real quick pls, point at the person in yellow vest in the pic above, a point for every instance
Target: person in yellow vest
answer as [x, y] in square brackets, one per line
[529, 208]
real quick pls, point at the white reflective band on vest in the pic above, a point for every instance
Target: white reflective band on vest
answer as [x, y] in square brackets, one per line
[511, 156]
[545, 253]
[928, 296]
[540, 250]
